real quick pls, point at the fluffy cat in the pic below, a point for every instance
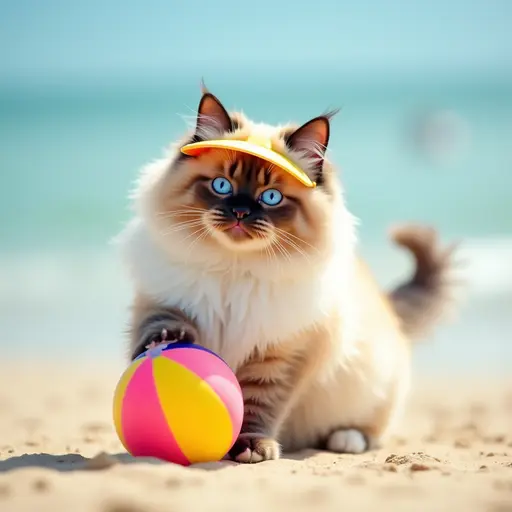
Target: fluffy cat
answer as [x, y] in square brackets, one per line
[227, 251]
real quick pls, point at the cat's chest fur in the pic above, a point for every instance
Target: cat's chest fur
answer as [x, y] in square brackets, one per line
[235, 312]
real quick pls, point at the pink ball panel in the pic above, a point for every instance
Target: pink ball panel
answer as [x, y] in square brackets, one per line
[202, 363]
[148, 434]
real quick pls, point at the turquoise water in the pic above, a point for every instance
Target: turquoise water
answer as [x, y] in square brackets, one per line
[68, 158]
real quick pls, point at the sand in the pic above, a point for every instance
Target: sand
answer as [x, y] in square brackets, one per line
[59, 452]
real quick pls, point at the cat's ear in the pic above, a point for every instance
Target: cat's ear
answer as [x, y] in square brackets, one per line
[212, 118]
[311, 139]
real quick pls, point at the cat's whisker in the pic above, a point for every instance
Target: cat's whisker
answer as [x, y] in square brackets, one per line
[267, 251]
[198, 233]
[182, 226]
[274, 255]
[185, 222]
[294, 246]
[260, 233]
[295, 237]
[184, 212]
[196, 208]
[217, 217]
[262, 223]
[185, 209]
[167, 215]
[286, 238]
[279, 246]
[204, 227]
[210, 229]
[177, 222]
[203, 234]
[264, 228]
[280, 261]
[181, 217]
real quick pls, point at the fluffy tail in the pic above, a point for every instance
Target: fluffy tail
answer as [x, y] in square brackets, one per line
[423, 300]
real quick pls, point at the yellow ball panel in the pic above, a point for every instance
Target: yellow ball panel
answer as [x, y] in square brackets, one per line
[197, 417]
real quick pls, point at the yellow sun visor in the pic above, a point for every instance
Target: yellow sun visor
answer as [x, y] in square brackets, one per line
[257, 146]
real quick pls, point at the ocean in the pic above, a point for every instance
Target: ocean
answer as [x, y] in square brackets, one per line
[437, 153]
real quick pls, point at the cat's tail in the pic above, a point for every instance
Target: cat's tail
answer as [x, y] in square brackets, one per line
[425, 299]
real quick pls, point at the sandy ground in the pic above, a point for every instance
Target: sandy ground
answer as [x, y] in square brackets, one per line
[59, 452]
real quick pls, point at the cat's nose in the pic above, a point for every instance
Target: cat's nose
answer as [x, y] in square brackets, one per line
[240, 212]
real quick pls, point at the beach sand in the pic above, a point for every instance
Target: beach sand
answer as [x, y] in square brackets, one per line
[59, 452]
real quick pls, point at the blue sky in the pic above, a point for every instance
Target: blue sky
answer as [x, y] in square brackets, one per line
[93, 39]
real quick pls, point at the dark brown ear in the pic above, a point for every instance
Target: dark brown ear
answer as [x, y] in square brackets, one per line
[312, 139]
[212, 117]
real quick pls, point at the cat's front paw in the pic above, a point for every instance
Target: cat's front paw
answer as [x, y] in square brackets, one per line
[180, 334]
[251, 448]
[174, 333]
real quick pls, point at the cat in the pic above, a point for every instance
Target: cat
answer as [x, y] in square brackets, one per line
[230, 252]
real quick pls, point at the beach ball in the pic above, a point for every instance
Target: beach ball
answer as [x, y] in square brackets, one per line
[180, 403]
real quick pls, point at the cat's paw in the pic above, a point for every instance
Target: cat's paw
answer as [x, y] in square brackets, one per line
[347, 441]
[174, 333]
[251, 448]
[178, 334]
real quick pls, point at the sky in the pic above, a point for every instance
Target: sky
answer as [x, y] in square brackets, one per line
[99, 40]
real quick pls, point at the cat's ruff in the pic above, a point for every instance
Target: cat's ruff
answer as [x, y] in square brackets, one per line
[264, 307]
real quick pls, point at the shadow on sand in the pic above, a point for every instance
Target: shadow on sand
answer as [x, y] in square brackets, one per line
[76, 462]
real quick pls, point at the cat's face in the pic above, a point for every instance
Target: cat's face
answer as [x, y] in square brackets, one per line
[236, 202]
[242, 203]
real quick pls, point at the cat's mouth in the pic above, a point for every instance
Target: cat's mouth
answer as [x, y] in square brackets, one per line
[237, 230]
[238, 233]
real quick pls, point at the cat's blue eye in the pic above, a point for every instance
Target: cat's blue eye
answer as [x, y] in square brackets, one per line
[222, 186]
[271, 197]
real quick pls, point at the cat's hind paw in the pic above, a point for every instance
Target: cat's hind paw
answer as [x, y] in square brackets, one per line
[347, 441]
